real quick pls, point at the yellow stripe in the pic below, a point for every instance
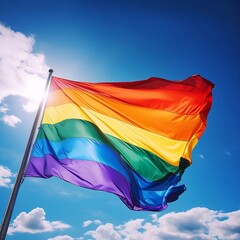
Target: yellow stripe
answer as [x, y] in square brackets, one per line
[168, 149]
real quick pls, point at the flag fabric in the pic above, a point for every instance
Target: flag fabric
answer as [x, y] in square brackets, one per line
[133, 139]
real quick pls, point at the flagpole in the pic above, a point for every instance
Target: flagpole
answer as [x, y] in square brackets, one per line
[26, 156]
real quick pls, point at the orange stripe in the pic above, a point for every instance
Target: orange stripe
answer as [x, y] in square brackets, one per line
[184, 97]
[171, 125]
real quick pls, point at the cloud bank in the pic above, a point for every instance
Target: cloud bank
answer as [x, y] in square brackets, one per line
[22, 72]
[195, 224]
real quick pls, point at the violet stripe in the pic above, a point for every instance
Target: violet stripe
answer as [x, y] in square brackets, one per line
[95, 176]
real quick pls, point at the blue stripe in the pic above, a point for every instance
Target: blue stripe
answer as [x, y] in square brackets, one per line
[147, 192]
[82, 149]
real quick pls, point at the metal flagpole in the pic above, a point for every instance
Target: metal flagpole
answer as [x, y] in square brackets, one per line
[26, 156]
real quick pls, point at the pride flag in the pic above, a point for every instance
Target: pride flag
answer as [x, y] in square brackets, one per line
[133, 139]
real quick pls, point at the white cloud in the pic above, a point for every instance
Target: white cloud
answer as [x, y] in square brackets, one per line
[197, 223]
[62, 237]
[10, 120]
[5, 177]
[22, 72]
[89, 222]
[132, 228]
[35, 222]
[105, 231]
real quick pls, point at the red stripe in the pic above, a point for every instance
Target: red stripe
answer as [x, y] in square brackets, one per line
[189, 96]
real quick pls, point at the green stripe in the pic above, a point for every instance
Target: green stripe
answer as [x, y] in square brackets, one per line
[145, 163]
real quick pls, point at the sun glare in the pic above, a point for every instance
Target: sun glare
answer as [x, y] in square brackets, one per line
[34, 94]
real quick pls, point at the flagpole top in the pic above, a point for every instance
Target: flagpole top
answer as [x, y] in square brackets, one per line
[50, 70]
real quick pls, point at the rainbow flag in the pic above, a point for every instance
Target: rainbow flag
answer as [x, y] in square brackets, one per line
[133, 139]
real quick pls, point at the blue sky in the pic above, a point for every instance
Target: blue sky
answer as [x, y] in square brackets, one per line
[121, 41]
